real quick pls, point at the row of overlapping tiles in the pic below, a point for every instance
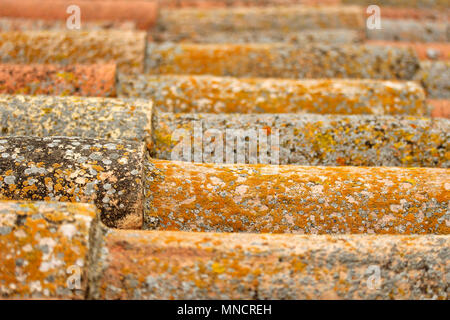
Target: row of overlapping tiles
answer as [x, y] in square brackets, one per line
[364, 169]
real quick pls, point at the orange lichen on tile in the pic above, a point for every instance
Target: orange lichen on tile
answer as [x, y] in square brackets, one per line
[83, 117]
[282, 60]
[297, 199]
[24, 24]
[209, 94]
[44, 248]
[189, 265]
[74, 80]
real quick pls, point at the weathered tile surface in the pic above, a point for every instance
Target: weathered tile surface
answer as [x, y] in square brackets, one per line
[422, 14]
[102, 118]
[44, 248]
[301, 38]
[240, 23]
[424, 50]
[304, 139]
[107, 173]
[76, 80]
[144, 13]
[411, 30]
[242, 83]
[240, 3]
[282, 60]
[403, 3]
[435, 78]
[126, 48]
[209, 94]
[185, 265]
[297, 199]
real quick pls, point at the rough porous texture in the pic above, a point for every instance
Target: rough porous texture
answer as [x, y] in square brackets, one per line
[126, 48]
[103, 118]
[107, 173]
[76, 80]
[24, 24]
[300, 38]
[297, 199]
[43, 248]
[185, 265]
[199, 24]
[435, 78]
[304, 139]
[209, 94]
[310, 169]
[282, 60]
[410, 30]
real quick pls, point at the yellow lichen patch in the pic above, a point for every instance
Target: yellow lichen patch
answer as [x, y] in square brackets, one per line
[44, 247]
[217, 268]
